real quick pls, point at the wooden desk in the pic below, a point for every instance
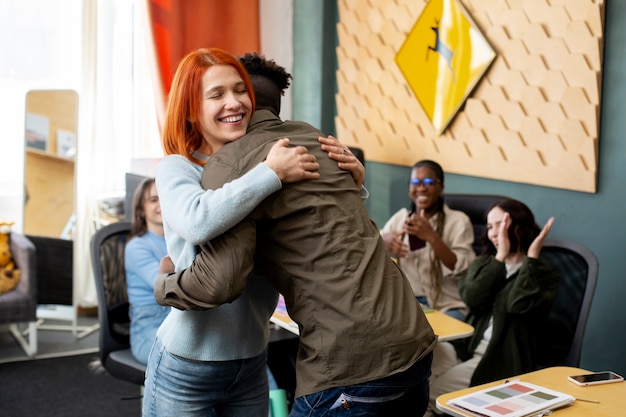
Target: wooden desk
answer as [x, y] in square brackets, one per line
[445, 327]
[448, 328]
[611, 397]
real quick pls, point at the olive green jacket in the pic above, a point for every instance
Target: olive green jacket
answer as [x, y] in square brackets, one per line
[316, 244]
[518, 305]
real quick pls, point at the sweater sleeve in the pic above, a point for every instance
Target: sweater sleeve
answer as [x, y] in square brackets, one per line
[484, 279]
[534, 288]
[197, 215]
[459, 236]
[140, 262]
[218, 274]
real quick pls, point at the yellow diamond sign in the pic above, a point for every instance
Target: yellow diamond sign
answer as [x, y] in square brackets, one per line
[443, 58]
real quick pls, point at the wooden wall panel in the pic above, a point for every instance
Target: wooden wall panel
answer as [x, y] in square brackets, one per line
[534, 117]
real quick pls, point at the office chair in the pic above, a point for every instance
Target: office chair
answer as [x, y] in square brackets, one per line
[20, 304]
[562, 335]
[475, 206]
[107, 258]
[358, 152]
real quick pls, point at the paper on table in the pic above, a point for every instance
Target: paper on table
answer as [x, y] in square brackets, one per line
[282, 319]
[512, 399]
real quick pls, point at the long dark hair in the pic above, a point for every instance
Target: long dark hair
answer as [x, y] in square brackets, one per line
[523, 229]
[138, 224]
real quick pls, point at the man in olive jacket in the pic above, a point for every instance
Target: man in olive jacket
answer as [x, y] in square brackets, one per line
[314, 241]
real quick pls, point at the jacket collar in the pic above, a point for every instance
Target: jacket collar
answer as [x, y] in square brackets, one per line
[260, 116]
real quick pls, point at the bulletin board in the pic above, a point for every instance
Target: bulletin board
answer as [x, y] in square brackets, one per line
[532, 117]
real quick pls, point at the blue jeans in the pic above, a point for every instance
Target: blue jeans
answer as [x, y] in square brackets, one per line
[179, 387]
[144, 323]
[403, 394]
[457, 313]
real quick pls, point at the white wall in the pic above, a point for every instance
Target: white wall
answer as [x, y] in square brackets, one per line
[277, 41]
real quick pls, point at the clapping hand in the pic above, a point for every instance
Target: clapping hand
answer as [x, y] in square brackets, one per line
[394, 242]
[418, 225]
[535, 248]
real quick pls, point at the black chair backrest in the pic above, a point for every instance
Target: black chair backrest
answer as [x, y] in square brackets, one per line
[107, 257]
[358, 152]
[475, 206]
[55, 273]
[562, 334]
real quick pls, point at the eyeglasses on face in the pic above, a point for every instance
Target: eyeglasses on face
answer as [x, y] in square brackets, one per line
[426, 182]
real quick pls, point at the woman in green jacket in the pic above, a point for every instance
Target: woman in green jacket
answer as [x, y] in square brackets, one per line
[509, 292]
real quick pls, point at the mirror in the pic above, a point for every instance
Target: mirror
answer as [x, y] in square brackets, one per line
[51, 126]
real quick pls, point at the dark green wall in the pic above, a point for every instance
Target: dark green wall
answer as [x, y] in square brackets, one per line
[595, 220]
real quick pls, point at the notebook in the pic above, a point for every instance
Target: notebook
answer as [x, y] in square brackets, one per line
[512, 399]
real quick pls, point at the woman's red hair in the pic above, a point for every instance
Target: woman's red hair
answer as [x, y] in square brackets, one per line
[181, 130]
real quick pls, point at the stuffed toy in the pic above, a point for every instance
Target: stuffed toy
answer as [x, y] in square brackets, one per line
[9, 275]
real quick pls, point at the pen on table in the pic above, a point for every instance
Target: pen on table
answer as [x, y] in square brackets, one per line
[587, 400]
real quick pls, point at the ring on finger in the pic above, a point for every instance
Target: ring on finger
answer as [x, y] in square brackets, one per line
[344, 151]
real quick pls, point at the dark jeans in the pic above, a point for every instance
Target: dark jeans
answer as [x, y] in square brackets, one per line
[403, 394]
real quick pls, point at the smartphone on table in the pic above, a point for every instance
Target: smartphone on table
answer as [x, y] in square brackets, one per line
[595, 378]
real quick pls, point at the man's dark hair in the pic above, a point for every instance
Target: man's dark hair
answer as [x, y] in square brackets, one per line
[269, 80]
[259, 65]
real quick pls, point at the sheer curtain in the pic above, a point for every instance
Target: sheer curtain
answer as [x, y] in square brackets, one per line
[123, 97]
[104, 50]
[39, 50]
[118, 115]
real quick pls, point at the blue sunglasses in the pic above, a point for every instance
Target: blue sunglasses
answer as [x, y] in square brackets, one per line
[426, 182]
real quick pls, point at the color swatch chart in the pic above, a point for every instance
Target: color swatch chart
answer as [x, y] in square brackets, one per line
[513, 399]
[282, 319]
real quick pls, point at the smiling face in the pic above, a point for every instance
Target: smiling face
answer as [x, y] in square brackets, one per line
[226, 107]
[152, 208]
[494, 218]
[426, 197]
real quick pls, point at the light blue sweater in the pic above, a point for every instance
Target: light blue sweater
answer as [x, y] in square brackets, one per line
[142, 255]
[192, 216]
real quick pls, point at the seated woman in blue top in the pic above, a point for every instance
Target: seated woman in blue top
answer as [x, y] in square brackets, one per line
[143, 252]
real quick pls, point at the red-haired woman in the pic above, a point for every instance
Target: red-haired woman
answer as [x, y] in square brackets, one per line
[213, 361]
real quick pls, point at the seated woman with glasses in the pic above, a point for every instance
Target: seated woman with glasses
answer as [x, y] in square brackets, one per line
[432, 243]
